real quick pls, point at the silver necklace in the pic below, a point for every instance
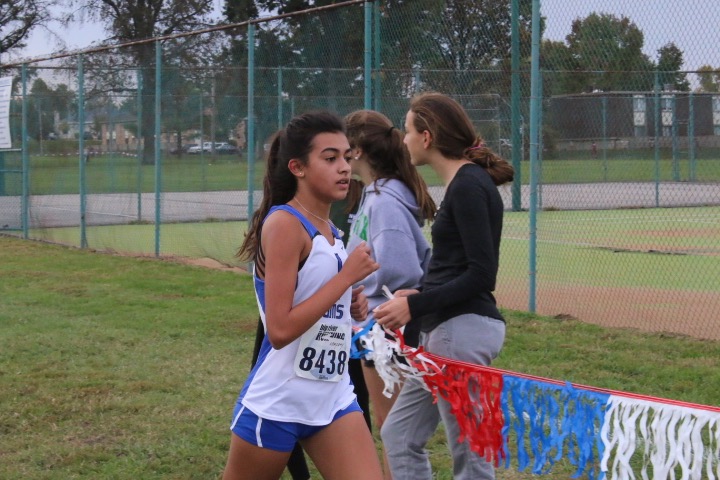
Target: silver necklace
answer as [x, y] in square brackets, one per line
[329, 222]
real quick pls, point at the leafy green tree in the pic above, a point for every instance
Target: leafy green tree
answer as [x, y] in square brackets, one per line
[273, 7]
[320, 56]
[40, 115]
[670, 62]
[43, 104]
[459, 46]
[237, 11]
[559, 69]
[145, 19]
[709, 78]
[64, 100]
[607, 54]
[462, 47]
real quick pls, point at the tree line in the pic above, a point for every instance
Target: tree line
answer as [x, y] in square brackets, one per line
[458, 46]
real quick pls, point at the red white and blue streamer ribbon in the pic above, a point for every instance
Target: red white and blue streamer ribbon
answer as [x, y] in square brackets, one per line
[602, 433]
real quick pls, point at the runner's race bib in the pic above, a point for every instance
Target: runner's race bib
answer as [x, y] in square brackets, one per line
[323, 352]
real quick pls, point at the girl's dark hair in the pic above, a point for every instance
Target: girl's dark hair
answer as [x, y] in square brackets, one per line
[279, 184]
[454, 136]
[382, 144]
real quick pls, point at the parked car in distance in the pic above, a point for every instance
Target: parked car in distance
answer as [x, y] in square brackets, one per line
[226, 149]
[221, 148]
[183, 149]
[197, 148]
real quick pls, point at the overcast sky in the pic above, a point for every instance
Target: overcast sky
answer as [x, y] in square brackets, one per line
[694, 26]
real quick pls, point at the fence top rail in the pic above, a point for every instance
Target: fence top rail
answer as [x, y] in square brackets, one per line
[214, 28]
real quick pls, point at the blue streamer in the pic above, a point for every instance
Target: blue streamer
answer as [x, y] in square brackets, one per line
[512, 388]
[584, 417]
[357, 341]
[508, 422]
[555, 420]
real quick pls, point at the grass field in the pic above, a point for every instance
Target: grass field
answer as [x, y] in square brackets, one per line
[116, 173]
[117, 367]
[583, 245]
[654, 267]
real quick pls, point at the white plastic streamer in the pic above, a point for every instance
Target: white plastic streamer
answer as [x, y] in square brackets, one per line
[677, 442]
[383, 353]
[389, 361]
[383, 348]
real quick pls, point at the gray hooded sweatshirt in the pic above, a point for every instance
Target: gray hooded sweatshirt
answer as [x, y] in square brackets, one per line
[390, 221]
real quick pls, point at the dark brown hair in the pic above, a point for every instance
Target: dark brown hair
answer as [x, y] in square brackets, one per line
[382, 144]
[453, 134]
[279, 185]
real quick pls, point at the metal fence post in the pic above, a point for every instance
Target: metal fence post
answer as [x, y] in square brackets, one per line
[82, 154]
[534, 140]
[675, 146]
[658, 126]
[202, 129]
[368, 56]
[139, 146]
[280, 98]
[604, 137]
[25, 200]
[516, 150]
[251, 121]
[377, 77]
[158, 132]
[691, 136]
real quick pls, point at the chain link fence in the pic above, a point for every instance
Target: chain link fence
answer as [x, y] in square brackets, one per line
[157, 147]
[629, 142]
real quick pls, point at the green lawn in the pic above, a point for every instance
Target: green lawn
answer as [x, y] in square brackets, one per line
[116, 173]
[126, 368]
[582, 246]
[676, 248]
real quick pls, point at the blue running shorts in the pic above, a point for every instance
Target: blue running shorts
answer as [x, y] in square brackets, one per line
[280, 436]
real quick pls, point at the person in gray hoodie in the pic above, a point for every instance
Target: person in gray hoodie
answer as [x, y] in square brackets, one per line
[394, 206]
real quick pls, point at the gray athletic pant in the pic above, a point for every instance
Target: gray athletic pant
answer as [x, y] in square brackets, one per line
[414, 417]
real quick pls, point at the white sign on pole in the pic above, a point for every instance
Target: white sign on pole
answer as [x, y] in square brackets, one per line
[5, 90]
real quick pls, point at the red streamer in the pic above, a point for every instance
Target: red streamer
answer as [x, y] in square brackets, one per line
[475, 397]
